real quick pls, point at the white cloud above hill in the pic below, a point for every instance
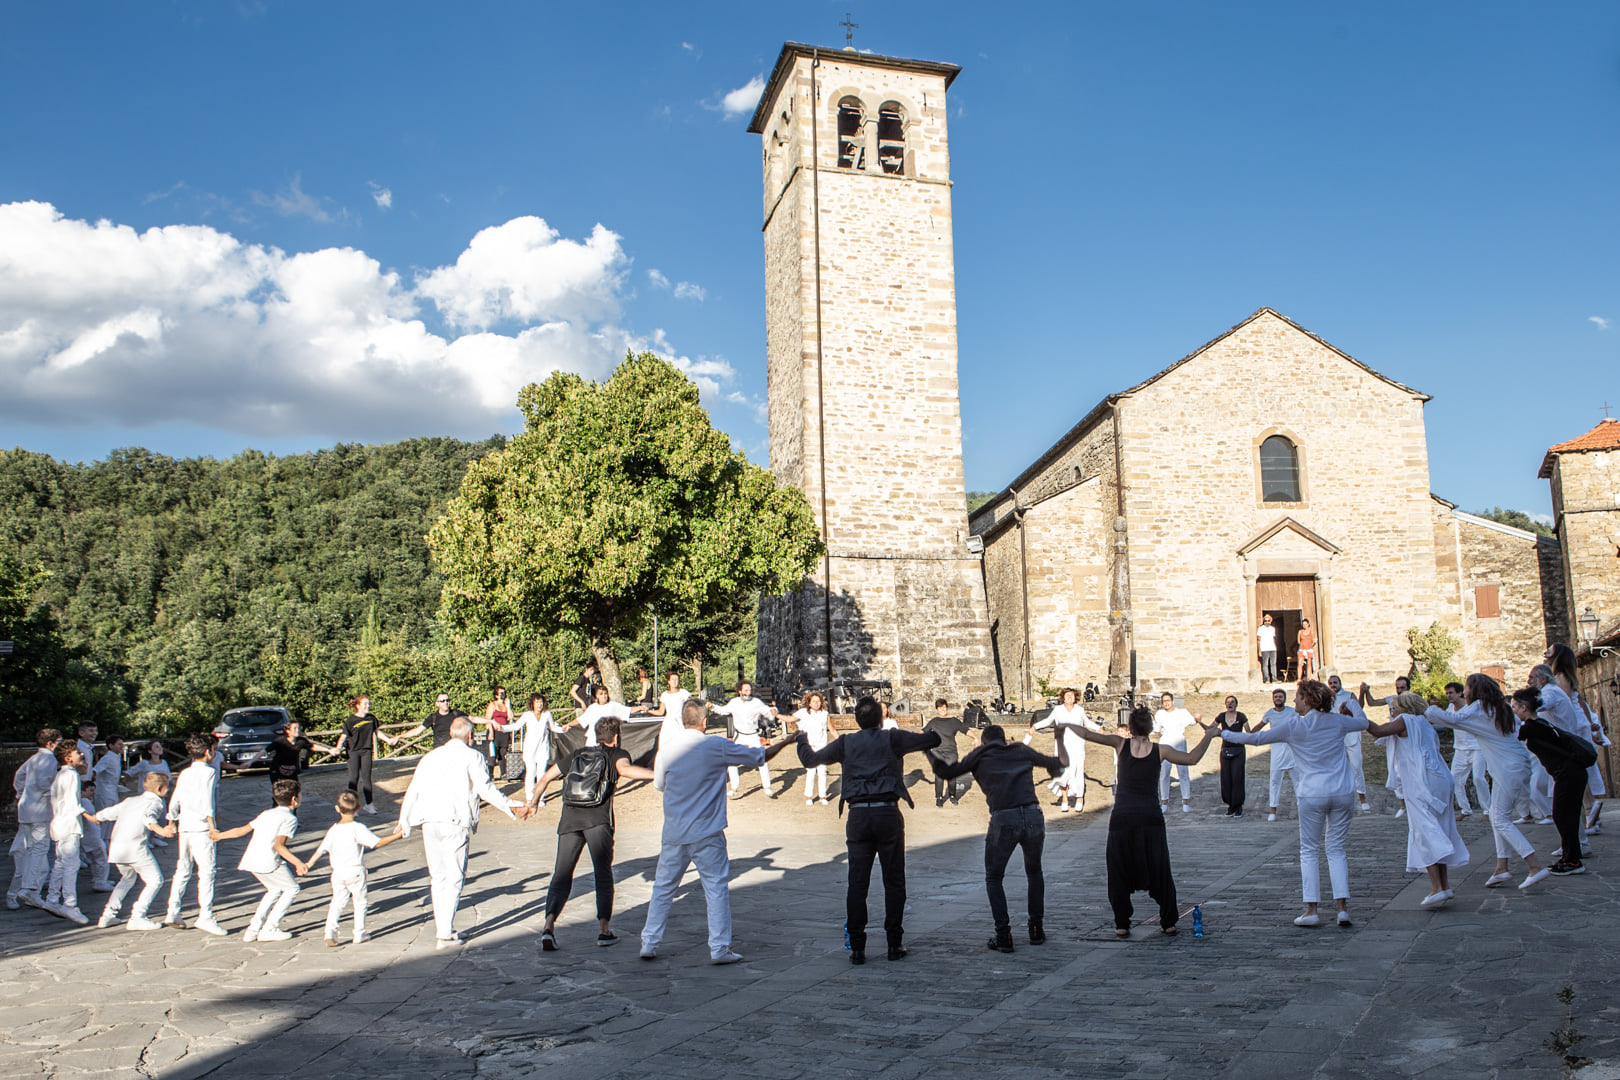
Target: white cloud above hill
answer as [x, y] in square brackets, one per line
[100, 324]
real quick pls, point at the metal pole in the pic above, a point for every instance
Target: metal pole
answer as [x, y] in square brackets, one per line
[657, 670]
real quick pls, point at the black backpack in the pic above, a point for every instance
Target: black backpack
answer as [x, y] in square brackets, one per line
[588, 781]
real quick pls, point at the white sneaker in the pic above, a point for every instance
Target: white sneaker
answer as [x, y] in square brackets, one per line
[362, 938]
[1365, 806]
[1435, 899]
[209, 926]
[727, 957]
[1401, 812]
[72, 914]
[53, 909]
[107, 919]
[1308, 920]
[250, 934]
[1539, 875]
[1544, 821]
[370, 809]
[1496, 881]
[447, 943]
[12, 902]
[1063, 807]
[1271, 817]
[809, 802]
[143, 923]
[274, 935]
[1344, 918]
[33, 900]
[1186, 808]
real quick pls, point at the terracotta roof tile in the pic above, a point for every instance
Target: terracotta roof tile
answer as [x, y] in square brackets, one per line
[1606, 436]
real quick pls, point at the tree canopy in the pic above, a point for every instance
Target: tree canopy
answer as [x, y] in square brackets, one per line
[618, 499]
[1516, 518]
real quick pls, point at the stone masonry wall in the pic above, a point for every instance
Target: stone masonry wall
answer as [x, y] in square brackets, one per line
[1525, 571]
[1586, 506]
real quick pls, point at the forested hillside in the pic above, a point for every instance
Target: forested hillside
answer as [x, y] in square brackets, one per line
[184, 587]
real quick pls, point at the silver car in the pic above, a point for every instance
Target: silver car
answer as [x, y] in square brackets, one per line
[244, 733]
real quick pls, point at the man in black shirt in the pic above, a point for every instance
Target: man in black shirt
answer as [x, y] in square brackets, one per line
[438, 721]
[1005, 775]
[873, 787]
[947, 727]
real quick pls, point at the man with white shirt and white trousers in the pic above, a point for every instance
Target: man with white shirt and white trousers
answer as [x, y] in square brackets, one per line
[31, 849]
[1466, 759]
[1266, 639]
[1170, 723]
[691, 771]
[443, 800]
[747, 713]
[1282, 755]
[1345, 704]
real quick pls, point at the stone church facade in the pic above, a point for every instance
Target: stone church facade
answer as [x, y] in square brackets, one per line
[1265, 472]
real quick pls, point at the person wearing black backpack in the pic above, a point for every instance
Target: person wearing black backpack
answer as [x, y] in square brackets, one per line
[586, 821]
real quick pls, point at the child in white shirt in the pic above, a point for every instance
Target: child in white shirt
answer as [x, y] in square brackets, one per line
[92, 846]
[192, 811]
[67, 828]
[266, 858]
[345, 845]
[135, 820]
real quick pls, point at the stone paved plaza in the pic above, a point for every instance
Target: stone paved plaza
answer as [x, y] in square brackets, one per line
[1468, 991]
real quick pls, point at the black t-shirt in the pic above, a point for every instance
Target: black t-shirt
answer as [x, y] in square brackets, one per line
[361, 731]
[586, 688]
[1231, 749]
[948, 728]
[439, 724]
[287, 758]
[580, 818]
[1136, 798]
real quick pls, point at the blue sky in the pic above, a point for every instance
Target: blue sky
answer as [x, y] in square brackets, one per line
[351, 197]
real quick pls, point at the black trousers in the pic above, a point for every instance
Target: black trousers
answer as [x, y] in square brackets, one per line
[951, 789]
[1232, 780]
[1021, 827]
[499, 743]
[876, 832]
[1565, 758]
[1139, 858]
[360, 774]
[599, 839]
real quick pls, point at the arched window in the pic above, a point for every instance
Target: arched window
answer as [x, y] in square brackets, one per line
[851, 133]
[1279, 471]
[892, 138]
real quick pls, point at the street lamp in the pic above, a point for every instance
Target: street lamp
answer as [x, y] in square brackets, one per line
[1588, 627]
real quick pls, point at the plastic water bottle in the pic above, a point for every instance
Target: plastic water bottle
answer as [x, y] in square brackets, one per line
[847, 945]
[1198, 921]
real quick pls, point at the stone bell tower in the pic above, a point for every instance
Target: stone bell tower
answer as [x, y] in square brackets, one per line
[860, 290]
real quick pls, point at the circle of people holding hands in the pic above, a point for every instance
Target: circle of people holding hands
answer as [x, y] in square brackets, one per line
[1531, 755]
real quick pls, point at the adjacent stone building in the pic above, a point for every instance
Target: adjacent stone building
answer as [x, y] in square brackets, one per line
[860, 289]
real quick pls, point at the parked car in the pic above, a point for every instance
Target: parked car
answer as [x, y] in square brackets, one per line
[244, 733]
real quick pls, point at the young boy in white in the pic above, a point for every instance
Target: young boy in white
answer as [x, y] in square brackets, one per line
[345, 845]
[192, 809]
[266, 858]
[92, 846]
[135, 821]
[31, 850]
[108, 771]
[67, 816]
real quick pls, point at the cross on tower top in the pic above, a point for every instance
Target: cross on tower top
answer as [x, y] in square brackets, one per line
[1605, 407]
[849, 31]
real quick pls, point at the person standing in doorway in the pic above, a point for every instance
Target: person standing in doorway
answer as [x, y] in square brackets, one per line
[1266, 639]
[1307, 649]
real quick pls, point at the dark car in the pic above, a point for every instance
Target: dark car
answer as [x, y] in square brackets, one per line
[244, 733]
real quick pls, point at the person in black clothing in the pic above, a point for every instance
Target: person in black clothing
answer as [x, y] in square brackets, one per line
[359, 743]
[1005, 775]
[947, 727]
[582, 827]
[1233, 758]
[873, 787]
[438, 721]
[1566, 758]
[584, 688]
[287, 753]
[1138, 856]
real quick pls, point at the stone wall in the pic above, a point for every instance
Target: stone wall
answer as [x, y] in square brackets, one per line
[1474, 558]
[1586, 507]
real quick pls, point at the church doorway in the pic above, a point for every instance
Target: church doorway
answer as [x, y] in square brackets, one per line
[1289, 601]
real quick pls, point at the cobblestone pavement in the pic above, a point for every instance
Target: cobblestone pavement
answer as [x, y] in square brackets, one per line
[1466, 991]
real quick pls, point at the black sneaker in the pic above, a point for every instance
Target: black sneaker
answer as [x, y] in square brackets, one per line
[1037, 934]
[857, 956]
[1564, 868]
[548, 941]
[897, 952]
[609, 938]
[1002, 942]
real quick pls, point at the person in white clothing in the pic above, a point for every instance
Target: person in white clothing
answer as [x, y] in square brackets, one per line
[889, 723]
[1067, 715]
[30, 850]
[87, 746]
[135, 821]
[1282, 757]
[192, 808]
[669, 708]
[267, 857]
[811, 718]
[1392, 767]
[345, 845]
[1345, 704]
[443, 801]
[599, 708]
[108, 772]
[92, 847]
[151, 761]
[535, 729]
[747, 712]
[1265, 638]
[1170, 724]
[689, 772]
[1466, 760]
[1324, 788]
[67, 831]
[1433, 844]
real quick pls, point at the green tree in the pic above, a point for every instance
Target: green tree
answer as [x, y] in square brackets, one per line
[618, 498]
[45, 682]
[1516, 518]
[1431, 651]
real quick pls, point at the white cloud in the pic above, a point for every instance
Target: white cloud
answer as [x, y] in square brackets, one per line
[158, 196]
[686, 290]
[1542, 519]
[185, 323]
[691, 48]
[383, 197]
[743, 99]
[1602, 323]
[658, 279]
[293, 201]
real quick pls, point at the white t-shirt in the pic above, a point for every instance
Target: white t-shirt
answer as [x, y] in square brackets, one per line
[1172, 727]
[260, 856]
[1267, 636]
[130, 818]
[136, 771]
[745, 713]
[1460, 739]
[672, 701]
[65, 808]
[346, 844]
[590, 716]
[195, 796]
[814, 726]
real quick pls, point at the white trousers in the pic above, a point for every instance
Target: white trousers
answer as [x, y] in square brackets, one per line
[30, 858]
[817, 773]
[146, 869]
[1325, 819]
[536, 760]
[342, 889]
[1541, 784]
[93, 853]
[446, 849]
[64, 886]
[764, 770]
[279, 889]
[1357, 772]
[1506, 793]
[1277, 775]
[196, 855]
[1463, 764]
[1164, 781]
[708, 856]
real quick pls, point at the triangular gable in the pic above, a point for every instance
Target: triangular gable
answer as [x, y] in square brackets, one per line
[1288, 523]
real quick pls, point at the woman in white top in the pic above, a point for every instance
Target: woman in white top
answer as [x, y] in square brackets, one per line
[1067, 715]
[535, 728]
[151, 762]
[669, 708]
[598, 709]
[1433, 844]
[1323, 786]
[1486, 716]
[811, 719]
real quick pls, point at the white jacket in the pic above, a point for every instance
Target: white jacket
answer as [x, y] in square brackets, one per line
[192, 803]
[65, 808]
[446, 789]
[130, 819]
[33, 786]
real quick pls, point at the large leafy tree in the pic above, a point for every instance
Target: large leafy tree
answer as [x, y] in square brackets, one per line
[618, 498]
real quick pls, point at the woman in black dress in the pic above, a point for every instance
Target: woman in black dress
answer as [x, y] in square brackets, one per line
[1138, 856]
[1233, 758]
